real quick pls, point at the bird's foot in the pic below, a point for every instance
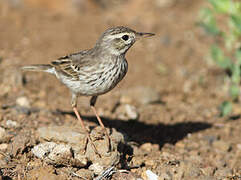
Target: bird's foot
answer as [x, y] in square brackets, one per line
[92, 144]
[108, 140]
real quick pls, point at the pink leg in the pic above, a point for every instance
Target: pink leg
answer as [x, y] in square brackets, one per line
[74, 98]
[92, 103]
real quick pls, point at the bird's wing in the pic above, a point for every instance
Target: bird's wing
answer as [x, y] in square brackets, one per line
[72, 65]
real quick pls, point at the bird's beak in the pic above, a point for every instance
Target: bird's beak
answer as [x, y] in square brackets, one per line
[140, 35]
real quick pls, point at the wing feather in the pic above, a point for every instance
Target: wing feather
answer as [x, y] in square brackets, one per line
[72, 65]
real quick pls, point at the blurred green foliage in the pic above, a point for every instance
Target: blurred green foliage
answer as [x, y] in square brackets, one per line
[225, 108]
[222, 20]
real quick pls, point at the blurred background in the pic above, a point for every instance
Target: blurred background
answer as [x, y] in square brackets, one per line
[170, 99]
[38, 31]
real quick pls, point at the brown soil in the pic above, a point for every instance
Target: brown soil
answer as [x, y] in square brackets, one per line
[181, 136]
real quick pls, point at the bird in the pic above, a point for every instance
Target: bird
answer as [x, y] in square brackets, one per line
[94, 71]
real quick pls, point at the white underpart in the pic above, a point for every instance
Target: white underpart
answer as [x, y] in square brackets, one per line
[99, 85]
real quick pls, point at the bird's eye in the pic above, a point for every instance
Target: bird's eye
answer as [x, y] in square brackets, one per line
[125, 37]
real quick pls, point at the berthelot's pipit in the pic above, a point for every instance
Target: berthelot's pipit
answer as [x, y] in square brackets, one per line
[95, 71]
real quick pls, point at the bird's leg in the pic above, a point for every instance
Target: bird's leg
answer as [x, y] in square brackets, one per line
[92, 105]
[74, 106]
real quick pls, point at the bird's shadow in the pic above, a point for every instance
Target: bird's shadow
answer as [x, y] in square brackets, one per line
[141, 132]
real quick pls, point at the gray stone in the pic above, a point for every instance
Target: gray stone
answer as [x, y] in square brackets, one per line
[43, 149]
[64, 134]
[69, 145]
[57, 154]
[61, 154]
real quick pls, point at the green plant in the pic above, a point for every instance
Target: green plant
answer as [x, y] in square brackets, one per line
[226, 52]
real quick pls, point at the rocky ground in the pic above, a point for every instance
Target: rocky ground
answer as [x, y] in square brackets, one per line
[163, 117]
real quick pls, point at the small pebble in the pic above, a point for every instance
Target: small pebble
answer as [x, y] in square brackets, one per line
[151, 175]
[165, 176]
[125, 175]
[125, 100]
[137, 161]
[3, 134]
[43, 149]
[208, 171]
[150, 162]
[222, 145]
[3, 146]
[23, 101]
[131, 111]
[127, 112]
[61, 154]
[96, 168]
[11, 124]
[85, 174]
[146, 147]
[239, 146]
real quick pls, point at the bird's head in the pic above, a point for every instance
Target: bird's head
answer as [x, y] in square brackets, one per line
[118, 40]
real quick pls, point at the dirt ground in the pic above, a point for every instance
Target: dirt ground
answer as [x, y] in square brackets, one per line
[174, 128]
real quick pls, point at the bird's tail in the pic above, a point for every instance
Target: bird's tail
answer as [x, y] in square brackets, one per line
[39, 67]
